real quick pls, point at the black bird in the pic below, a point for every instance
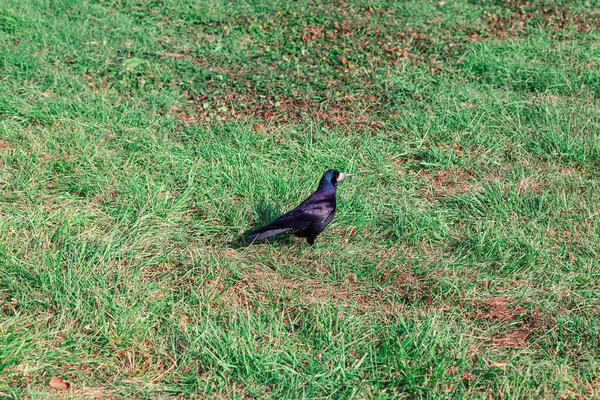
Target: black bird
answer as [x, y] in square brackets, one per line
[312, 216]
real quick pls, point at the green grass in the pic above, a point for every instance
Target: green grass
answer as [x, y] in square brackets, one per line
[140, 139]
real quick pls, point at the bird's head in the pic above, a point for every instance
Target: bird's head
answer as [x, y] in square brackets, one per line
[333, 177]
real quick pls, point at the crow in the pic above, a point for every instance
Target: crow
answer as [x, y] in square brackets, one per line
[310, 218]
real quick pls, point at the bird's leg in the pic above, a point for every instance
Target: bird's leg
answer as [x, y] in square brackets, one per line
[311, 241]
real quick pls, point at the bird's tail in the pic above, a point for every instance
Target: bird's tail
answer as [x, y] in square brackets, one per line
[260, 234]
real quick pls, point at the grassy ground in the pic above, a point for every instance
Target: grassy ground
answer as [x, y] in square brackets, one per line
[139, 139]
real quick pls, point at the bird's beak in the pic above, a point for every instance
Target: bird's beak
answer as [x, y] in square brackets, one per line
[342, 176]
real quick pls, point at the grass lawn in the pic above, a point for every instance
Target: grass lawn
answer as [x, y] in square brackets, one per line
[139, 139]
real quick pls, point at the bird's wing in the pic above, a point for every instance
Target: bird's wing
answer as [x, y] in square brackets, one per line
[312, 210]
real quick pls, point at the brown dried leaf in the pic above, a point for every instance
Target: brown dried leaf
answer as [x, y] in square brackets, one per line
[59, 383]
[185, 117]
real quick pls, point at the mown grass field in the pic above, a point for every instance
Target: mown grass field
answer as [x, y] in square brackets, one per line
[140, 139]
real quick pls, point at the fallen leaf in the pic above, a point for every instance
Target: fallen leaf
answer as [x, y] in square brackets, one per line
[185, 117]
[59, 383]
[184, 320]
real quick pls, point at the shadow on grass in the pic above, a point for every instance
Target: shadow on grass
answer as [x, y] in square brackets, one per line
[265, 213]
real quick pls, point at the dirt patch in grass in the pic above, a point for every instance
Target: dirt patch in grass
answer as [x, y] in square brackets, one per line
[456, 181]
[83, 392]
[513, 339]
[260, 285]
[500, 309]
[448, 182]
[529, 184]
[275, 109]
[522, 322]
